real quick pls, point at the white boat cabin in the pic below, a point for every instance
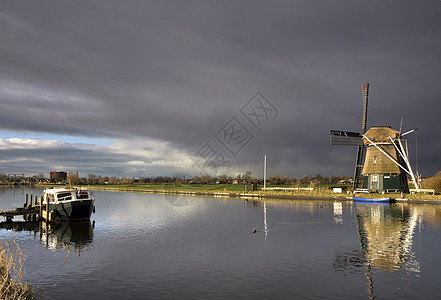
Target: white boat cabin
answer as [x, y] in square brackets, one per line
[54, 195]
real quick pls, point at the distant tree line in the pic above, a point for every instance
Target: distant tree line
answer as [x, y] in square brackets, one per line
[20, 179]
[245, 178]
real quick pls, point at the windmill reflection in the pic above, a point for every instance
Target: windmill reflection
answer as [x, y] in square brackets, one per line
[386, 236]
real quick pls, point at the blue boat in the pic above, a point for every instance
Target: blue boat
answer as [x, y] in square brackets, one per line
[362, 199]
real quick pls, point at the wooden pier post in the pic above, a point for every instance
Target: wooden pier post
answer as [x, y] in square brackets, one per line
[26, 204]
[40, 217]
[41, 209]
[33, 216]
[47, 210]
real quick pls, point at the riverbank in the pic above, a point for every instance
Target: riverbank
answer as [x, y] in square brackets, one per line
[11, 271]
[319, 192]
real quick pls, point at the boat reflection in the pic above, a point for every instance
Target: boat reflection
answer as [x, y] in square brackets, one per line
[77, 236]
[70, 236]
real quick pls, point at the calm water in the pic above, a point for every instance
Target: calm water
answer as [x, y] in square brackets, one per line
[143, 246]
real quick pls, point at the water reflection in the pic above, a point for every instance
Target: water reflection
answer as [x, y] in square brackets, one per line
[386, 235]
[208, 249]
[265, 222]
[179, 200]
[257, 204]
[338, 212]
[76, 237]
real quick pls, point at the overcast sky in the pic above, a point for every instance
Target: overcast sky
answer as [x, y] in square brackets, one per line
[148, 88]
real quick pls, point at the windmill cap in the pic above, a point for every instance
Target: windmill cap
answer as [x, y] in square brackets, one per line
[381, 133]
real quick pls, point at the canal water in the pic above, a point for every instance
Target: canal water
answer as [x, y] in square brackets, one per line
[146, 246]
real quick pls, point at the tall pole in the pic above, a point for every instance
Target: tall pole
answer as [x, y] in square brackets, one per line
[264, 172]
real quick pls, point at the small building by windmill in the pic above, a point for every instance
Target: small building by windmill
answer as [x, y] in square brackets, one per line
[380, 172]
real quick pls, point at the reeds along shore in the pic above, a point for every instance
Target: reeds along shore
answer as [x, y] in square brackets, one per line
[11, 274]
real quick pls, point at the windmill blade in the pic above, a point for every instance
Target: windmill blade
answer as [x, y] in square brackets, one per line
[365, 94]
[338, 137]
[361, 147]
[410, 131]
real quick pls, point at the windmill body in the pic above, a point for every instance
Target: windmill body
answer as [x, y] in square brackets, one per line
[381, 173]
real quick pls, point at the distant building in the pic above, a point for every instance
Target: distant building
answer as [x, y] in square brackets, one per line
[58, 176]
[346, 181]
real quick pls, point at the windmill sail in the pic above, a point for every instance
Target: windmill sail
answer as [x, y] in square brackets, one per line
[365, 93]
[354, 138]
[361, 147]
[345, 138]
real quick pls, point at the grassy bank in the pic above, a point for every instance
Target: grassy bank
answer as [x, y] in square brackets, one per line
[11, 272]
[319, 191]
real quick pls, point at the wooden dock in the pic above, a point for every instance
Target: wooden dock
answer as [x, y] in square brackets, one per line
[20, 211]
[32, 210]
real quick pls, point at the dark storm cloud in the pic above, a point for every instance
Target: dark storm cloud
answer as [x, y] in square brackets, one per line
[177, 71]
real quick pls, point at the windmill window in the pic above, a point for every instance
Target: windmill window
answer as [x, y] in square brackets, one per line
[375, 159]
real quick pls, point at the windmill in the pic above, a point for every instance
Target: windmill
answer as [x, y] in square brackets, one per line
[386, 164]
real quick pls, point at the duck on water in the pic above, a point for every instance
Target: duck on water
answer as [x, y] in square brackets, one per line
[70, 203]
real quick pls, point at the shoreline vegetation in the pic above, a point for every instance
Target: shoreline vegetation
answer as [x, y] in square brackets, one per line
[318, 192]
[11, 274]
[243, 185]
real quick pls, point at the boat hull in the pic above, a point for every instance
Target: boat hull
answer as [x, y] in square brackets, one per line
[74, 210]
[361, 199]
